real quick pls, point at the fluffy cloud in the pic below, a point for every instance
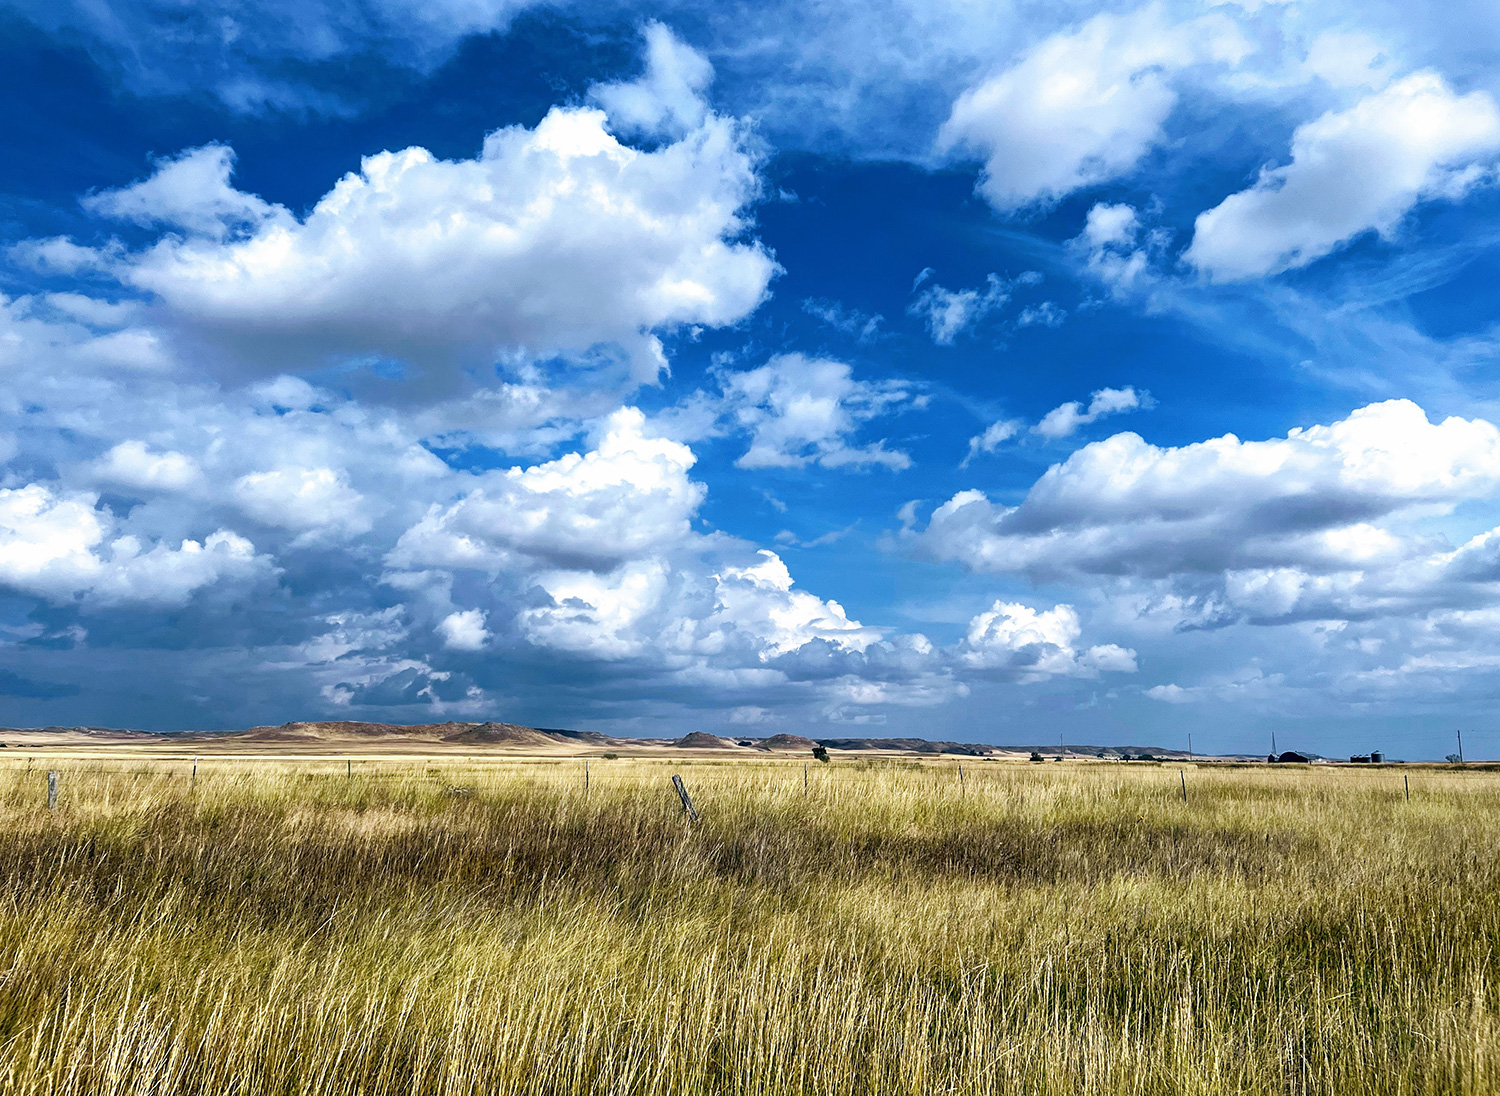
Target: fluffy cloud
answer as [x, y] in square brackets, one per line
[1063, 421]
[1352, 171]
[557, 240]
[1016, 641]
[759, 599]
[995, 435]
[626, 498]
[464, 631]
[1082, 106]
[133, 466]
[668, 98]
[1312, 500]
[1117, 249]
[190, 192]
[800, 411]
[305, 500]
[62, 547]
[947, 312]
[739, 618]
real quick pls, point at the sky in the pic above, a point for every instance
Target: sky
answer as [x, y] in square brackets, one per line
[1002, 372]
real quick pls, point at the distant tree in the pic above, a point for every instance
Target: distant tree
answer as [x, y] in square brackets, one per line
[1035, 756]
[1454, 759]
[821, 753]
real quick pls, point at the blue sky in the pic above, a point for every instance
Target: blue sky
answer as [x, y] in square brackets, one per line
[994, 372]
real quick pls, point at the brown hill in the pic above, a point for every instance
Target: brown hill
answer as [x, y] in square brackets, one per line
[592, 738]
[324, 730]
[501, 734]
[702, 740]
[908, 745]
[787, 742]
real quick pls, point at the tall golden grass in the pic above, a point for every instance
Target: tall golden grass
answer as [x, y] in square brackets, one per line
[437, 928]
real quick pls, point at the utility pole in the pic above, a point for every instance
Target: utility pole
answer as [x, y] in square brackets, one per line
[1190, 743]
[1460, 747]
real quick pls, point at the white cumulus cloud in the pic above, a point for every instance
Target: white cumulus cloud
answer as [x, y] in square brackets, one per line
[62, 547]
[464, 630]
[1063, 421]
[948, 312]
[133, 465]
[191, 192]
[1313, 499]
[1352, 171]
[668, 97]
[629, 496]
[1018, 641]
[800, 411]
[1084, 105]
[557, 240]
[303, 500]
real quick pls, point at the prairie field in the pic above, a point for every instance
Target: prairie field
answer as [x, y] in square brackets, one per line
[494, 927]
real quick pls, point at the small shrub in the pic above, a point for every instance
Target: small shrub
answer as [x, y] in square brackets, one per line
[611, 756]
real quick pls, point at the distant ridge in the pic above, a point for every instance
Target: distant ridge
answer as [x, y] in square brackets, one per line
[787, 742]
[340, 736]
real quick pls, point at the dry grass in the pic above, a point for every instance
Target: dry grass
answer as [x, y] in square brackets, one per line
[492, 929]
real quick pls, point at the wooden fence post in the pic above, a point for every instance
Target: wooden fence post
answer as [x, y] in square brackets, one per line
[1183, 778]
[52, 789]
[960, 776]
[1406, 782]
[687, 800]
[195, 771]
[585, 774]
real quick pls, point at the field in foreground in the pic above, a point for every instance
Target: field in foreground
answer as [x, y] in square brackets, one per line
[437, 928]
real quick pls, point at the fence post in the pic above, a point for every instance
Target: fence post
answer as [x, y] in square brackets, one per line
[1406, 783]
[1183, 778]
[195, 771]
[585, 774]
[349, 768]
[687, 800]
[804, 778]
[52, 789]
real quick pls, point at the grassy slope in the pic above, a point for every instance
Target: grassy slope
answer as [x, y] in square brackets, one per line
[281, 928]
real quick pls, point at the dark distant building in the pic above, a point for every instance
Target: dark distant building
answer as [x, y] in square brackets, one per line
[1291, 757]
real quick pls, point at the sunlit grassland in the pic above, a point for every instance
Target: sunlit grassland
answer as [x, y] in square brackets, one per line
[495, 928]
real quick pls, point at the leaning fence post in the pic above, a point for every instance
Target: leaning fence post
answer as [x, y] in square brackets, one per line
[52, 789]
[195, 771]
[687, 800]
[1183, 778]
[585, 774]
[1406, 782]
[960, 776]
